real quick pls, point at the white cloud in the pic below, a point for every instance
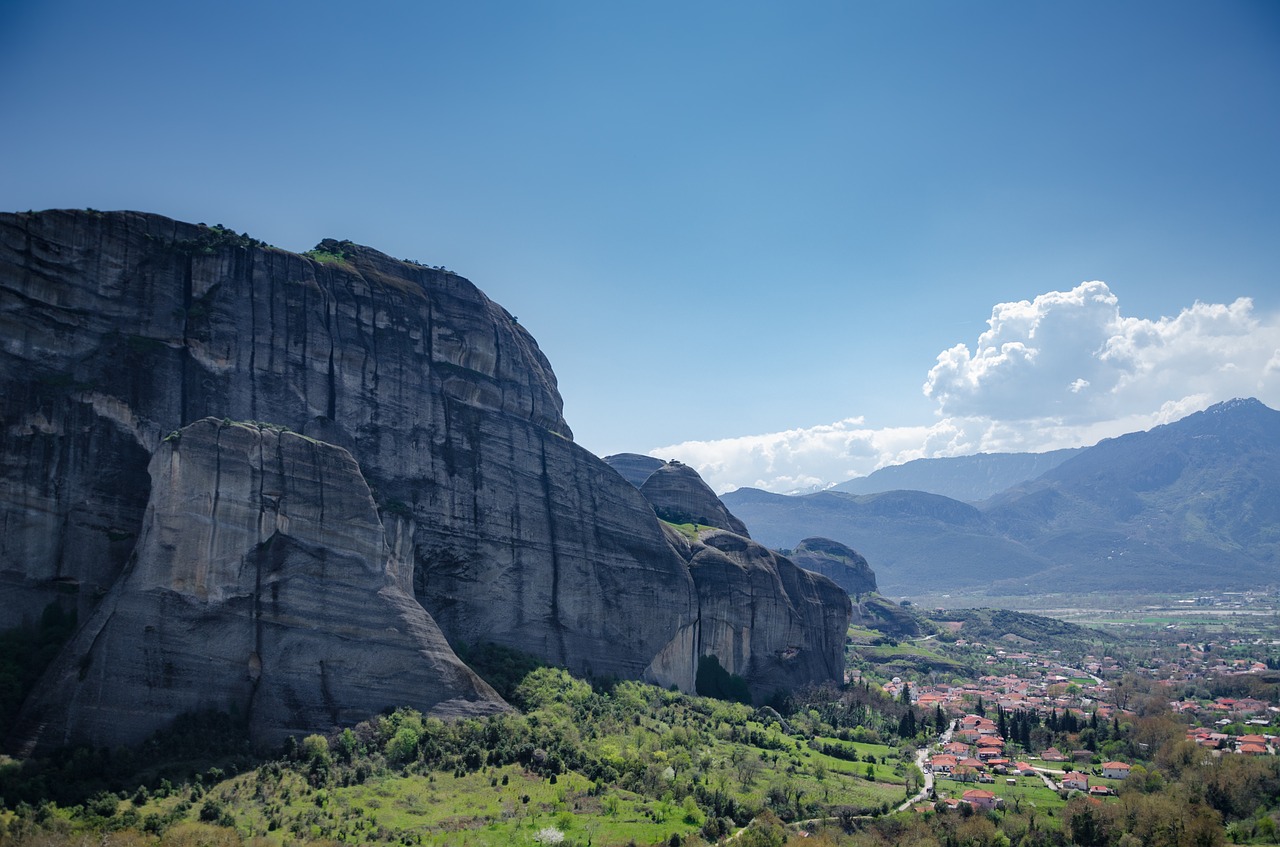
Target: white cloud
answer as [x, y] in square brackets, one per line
[1072, 355]
[1061, 370]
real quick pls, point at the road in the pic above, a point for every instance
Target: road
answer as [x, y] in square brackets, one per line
[1043, 773]
[922, 756]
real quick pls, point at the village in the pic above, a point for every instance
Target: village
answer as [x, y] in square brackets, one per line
[1038, 725]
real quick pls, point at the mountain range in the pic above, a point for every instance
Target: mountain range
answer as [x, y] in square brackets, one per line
[1187, 506]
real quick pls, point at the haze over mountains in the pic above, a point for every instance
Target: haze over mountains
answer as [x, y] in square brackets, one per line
[1191, 505]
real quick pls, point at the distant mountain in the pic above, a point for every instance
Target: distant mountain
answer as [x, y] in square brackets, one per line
[967, 478]
[915, 539]
[1193, 504]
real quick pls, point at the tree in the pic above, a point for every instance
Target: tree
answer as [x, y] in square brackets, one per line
[403, 746]
[907, 726]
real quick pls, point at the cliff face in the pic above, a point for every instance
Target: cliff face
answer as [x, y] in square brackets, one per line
[262, 584]
[119, 328]
[842, 565]
[774, 624]
[122, 327]
[766, 620]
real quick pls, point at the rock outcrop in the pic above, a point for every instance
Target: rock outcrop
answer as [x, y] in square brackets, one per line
[848, 569]
[634, 467]
[263, 585]
[120, 328]
[842, 565]
[765, 619]
[676, 492]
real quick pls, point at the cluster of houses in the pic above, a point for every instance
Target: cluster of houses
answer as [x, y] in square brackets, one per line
[1201, 660]
[1225, 710]
[1039, 685]
[977, 754]
[1042, 684]
[1245, 745]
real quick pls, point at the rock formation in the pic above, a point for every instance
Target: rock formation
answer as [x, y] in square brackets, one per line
[634, 467]
[764, 618]
[842, 565]
[676, 492]
[120, 328]
[262, 584]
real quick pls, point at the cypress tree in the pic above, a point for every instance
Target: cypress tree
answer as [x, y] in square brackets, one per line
[907, 726]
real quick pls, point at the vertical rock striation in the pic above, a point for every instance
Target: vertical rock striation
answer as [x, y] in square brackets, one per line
[262, 584]
[774, 624]
[119, 328]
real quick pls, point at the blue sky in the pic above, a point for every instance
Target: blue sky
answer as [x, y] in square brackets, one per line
[745, 234]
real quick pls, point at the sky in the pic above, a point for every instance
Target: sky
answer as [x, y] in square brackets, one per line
[785, 243]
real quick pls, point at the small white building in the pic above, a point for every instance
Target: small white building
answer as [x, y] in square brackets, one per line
[1115, 770]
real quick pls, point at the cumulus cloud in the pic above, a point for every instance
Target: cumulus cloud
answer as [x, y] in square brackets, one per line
[1064, 369]
[1072, 356]
[799, 459]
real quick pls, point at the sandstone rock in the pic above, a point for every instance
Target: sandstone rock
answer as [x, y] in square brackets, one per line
[676, 492]
[634, 467]
[875, 611]
[262, 584]
[843, 565]
[765, 619]
[123, 327]
[774, 624]
[119, 328]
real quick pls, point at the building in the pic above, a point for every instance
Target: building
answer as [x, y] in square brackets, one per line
[982, 799]
[1115, 770]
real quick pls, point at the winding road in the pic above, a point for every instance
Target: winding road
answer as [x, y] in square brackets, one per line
[922, 756]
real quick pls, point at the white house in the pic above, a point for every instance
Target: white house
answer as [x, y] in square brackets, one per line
[1115, 770]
